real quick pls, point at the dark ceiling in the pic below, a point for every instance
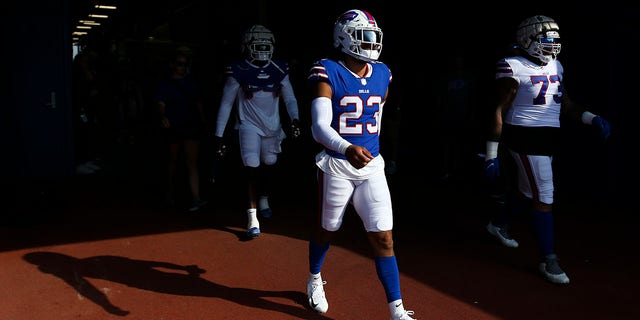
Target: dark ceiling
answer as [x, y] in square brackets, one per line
[412, 35]
[213, 27]
[132, 19]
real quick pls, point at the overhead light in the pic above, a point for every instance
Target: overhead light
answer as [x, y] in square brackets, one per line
[103, 16]
[89, 22]
[79, 33]
[83, 27]
[99, 6]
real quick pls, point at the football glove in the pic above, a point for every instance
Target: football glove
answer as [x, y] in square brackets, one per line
[295, 128]
[602, 125]
[492, 169]
[221, 149]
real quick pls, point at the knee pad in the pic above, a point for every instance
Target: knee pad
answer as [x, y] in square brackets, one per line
[270, 159]
[251, 162]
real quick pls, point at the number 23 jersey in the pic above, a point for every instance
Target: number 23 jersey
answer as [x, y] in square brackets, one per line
[356, 101]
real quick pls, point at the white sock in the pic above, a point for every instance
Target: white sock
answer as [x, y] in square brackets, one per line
[263, 203]
[253, 219]
[396, 307]
[315, 277]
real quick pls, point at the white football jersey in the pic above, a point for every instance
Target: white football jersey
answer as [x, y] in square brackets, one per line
[539, 96]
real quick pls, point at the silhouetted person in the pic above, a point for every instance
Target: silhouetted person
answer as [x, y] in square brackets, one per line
[85, 113]
[456, 112]
[182, 119]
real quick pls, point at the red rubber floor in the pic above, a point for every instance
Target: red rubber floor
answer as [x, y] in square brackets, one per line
[102, 253]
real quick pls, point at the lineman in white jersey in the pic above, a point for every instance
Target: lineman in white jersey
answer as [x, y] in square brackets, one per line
[526, 123]
[257, 83]
[348, 98]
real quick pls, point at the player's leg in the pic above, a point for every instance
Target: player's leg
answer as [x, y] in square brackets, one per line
[172, 152]
[250, 154]
[507, 203]
[192, 154]
[335, 194]
[536, 182]
[270, 147]
[372, 201]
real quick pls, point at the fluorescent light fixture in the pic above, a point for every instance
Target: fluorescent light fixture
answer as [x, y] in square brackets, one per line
[79, 33]
[99, 6]
[89, 22]
[83, 27]
[104, 16]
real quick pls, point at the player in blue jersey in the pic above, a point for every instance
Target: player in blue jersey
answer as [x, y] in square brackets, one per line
[348, 97]
[526, 126]
[258, 84]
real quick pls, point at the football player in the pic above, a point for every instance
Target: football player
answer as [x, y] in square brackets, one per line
[526, 127]
[257, 83]
[348, 94]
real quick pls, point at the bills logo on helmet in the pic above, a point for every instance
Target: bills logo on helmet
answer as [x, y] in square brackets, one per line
[350, 15]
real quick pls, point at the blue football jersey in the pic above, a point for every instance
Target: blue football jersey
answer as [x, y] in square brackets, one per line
[355, 102]
[253, 78]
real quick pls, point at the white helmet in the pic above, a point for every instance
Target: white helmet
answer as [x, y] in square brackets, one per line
[258, 43]
[356, 33]
[539, 37]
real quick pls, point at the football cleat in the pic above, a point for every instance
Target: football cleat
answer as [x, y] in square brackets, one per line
[403, 316]
[317, 298]
[552, 271]
[503, 235]
[253, 232]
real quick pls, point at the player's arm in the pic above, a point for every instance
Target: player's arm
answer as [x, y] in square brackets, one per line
[291, 103]
[505, 91]
[229, 93]
[289, 98]
[576, 112]
[164, 121]
[321, 116]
